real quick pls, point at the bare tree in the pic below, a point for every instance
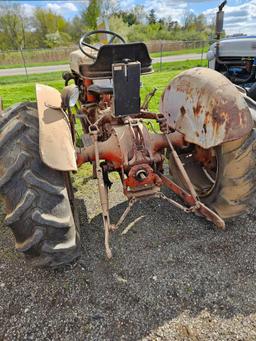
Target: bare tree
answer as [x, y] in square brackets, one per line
[13, 24]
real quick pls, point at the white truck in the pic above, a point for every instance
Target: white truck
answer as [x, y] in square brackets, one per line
[234, 57]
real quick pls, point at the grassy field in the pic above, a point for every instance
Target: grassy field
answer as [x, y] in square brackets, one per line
[14, 66]
[15, 89]
[20, 92]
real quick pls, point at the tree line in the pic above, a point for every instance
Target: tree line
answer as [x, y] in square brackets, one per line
[47, 29]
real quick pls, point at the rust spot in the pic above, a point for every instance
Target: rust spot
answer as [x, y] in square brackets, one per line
[204, 128]
[197, 133]
[217, 118]
[183, 111]
[204, 156]
[207, 118]
[183, 85]
[197, 109]
[243, 120]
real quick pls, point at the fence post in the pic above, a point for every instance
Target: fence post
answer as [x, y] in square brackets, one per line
[24, 62]
[161, 54]
[1, 105]
[202, 52]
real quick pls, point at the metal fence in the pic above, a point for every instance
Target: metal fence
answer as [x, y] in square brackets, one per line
[169, 46]
[62, 54]
[35, 56]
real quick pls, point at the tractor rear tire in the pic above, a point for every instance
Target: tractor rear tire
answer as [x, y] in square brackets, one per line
[36, 197]
[235, 184]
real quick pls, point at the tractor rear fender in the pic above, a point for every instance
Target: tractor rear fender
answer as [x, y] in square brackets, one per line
[55, 141]
[206, 108]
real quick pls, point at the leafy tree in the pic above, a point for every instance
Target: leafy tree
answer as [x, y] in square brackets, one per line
[91, 14]
[162, 23]
[189, 21]
[116, 24]
[151, 17]
[77, 27]
[56, 39]
[140, 14]
[47, 22]
[13, 26]
[135, 16]
[128, 17]
[200, 23]
[108, 8]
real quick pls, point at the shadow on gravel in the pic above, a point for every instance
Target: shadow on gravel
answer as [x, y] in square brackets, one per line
[167, 263]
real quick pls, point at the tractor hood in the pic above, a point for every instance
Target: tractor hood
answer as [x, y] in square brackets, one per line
[234, 47]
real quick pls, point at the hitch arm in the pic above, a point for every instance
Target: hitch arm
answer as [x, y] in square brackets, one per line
[103, 193]
[191, 199]
[195, 205]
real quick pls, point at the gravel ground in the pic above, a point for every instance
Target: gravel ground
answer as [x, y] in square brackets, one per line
[173, 277]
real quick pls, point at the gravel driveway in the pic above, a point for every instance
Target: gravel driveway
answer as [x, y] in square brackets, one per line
[173, 277]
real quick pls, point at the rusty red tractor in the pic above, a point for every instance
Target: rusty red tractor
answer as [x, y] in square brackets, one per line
[206, 138]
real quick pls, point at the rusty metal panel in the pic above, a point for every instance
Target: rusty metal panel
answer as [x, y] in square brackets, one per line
[206, 107]
[55, 140]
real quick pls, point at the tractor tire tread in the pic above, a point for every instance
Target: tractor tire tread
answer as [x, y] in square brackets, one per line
[236, 192]
[35, 196]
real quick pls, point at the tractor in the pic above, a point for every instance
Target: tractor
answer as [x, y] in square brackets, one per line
[234, 57]
[204, 149]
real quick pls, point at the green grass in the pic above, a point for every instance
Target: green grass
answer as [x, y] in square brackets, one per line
[21, 79]
[19, 92]
[158, 80]
[14, 66]
[180, 65]
[14, 89]
[178, 52]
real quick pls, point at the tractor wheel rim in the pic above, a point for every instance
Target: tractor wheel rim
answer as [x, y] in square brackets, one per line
[203, 180]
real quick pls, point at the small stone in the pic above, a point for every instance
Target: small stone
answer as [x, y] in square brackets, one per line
[120, 279]
[2, 285]
[154, 278]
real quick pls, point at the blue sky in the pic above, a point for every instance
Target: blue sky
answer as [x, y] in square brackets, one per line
[240, 15]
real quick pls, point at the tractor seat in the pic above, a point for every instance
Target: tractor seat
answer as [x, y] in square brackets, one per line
[111, 54]
[77, 58]
[101, 89]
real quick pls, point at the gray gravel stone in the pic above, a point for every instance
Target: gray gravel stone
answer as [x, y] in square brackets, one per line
[173, 277]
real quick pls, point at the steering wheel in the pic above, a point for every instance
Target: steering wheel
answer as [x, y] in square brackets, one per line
[82, 43]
